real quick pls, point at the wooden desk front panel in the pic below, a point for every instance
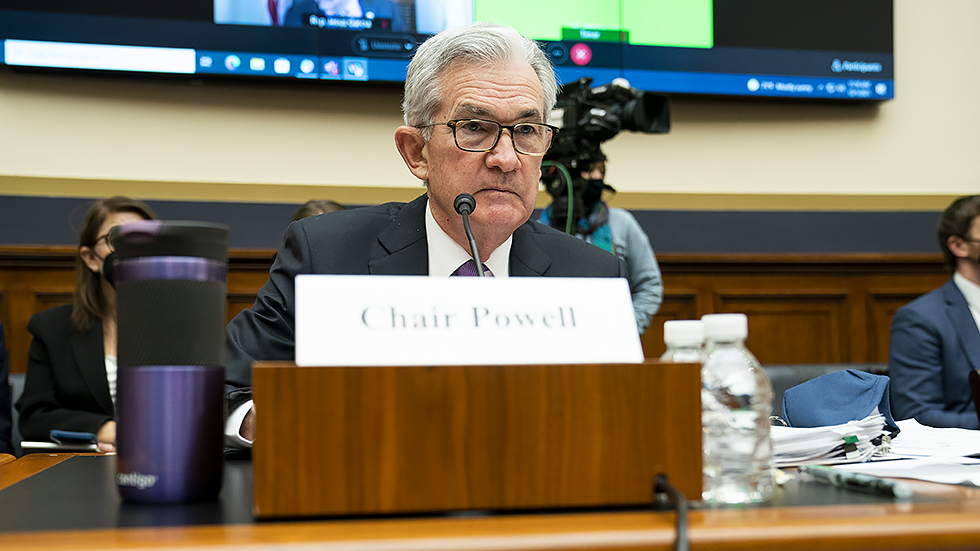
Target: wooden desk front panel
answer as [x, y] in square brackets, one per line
[414, 439]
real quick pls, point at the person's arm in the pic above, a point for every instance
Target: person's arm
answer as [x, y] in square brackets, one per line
[264, 332]
[44, 404]
[915, 367]
[644, 272]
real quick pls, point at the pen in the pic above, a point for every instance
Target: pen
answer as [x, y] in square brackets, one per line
[857, 481]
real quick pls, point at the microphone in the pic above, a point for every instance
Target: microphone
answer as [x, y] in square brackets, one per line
[464, 205]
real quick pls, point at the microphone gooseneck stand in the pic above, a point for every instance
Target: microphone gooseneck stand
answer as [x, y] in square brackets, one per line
[464, 205]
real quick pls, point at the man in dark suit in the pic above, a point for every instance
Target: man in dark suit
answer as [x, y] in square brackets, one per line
[476, 104]
[935, 339]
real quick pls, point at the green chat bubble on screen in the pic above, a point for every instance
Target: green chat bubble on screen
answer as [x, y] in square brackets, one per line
[684, 23]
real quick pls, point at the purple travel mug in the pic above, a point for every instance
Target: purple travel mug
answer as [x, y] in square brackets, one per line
[170, 280]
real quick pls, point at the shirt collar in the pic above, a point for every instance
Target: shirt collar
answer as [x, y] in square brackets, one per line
[445, 255]
[970, 290]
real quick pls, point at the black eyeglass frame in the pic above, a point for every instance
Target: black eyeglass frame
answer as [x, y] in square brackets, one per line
[500, 130]
[108, 242]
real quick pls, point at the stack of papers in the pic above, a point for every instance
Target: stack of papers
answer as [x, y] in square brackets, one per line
[847, 443]
[931, 454]
[944, 470]
[917, 440]
[922, 453]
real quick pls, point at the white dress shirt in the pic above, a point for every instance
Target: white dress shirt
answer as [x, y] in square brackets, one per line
[971, 291]
[445, 255]
[111, 371]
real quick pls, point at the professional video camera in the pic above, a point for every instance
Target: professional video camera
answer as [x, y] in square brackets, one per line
[587, 117]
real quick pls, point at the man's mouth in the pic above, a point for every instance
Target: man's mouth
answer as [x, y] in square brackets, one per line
[498, 190]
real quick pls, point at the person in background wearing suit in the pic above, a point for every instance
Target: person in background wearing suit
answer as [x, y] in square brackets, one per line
[935, 339]
[6, 438]
[71, 368]
[476, 106]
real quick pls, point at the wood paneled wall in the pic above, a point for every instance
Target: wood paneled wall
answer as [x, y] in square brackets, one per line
[33, 279]
[802, 308]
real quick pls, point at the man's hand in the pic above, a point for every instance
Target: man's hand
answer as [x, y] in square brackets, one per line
[107, 437]
[248, 425]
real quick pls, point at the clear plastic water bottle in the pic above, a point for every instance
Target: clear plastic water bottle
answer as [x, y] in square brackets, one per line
[684, 340]
[736, 400]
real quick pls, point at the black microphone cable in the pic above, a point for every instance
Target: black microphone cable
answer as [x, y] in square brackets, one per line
[662, 485]
[464, 205]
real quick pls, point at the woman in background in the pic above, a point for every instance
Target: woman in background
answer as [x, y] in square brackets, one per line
[71, 370]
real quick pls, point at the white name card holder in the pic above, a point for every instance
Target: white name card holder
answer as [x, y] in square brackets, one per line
[344, 320]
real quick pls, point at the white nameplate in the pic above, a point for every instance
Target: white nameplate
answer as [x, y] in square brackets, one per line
[344, 320]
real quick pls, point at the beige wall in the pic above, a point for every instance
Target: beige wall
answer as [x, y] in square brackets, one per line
[88, 136]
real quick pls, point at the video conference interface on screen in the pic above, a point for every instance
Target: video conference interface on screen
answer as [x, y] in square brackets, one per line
[827, 49]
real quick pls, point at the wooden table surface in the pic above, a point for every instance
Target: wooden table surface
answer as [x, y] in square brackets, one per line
[951, 520]
[13, 471]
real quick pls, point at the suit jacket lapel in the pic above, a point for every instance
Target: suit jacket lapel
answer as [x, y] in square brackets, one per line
[965, 326]
[404, 240]
[90, 358]
[526, 257]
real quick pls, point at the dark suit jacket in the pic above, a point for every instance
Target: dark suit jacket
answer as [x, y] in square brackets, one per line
[387, 239]
[65, 387]
[6, 444]
[934, 346]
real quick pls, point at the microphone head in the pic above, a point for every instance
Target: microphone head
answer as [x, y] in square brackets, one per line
[464, 203]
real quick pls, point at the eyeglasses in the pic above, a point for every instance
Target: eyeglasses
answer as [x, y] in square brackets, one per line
[108, 242]
[479, 135]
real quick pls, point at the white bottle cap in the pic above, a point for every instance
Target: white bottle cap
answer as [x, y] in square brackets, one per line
[683, 332]
[725, 326]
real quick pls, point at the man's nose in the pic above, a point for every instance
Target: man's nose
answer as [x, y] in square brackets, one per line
[504, 155]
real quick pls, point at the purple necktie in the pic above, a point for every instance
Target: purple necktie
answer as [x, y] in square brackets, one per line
[468, 268]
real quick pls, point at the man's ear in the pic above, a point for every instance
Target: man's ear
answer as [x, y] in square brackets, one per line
[414, 150]
[90, 259]
[957, 246]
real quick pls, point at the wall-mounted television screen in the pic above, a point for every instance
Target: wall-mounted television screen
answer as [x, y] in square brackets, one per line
[826, 49]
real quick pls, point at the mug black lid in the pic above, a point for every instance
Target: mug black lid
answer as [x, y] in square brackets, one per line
[170, 238]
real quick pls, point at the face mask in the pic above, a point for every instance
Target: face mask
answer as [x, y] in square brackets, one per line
[592, 192]
[106, 272]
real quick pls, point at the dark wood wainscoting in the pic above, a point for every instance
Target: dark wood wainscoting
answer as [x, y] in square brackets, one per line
[802, 308]
[33, 279]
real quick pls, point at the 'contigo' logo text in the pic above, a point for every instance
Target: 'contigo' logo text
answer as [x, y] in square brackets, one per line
[839, 66]
[137, 480]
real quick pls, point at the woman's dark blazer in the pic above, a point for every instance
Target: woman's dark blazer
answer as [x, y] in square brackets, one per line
[66, 386]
